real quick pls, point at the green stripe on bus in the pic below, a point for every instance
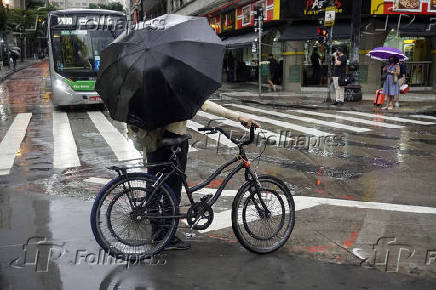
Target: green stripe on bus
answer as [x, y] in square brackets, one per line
[81, 85]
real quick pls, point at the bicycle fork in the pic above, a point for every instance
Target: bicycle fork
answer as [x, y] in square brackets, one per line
[263, 212]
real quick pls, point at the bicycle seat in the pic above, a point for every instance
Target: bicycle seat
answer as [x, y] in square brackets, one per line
[168, 142]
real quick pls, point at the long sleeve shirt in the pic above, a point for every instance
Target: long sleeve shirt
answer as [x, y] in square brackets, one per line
[150, 139]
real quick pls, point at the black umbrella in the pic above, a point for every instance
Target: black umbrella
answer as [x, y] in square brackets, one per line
[161, 73]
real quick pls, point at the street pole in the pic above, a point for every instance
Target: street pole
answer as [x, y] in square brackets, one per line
[356, 92]
[329, 59]
[259, 45]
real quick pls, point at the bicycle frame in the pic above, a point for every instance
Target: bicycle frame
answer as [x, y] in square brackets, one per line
[172, 166]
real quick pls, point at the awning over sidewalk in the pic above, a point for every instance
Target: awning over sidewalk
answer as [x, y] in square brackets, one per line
[243, 40]
[308, 31]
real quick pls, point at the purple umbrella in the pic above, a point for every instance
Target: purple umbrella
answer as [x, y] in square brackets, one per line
[383, 53]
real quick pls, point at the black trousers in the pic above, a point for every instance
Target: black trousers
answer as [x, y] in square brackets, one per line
[163, 155]
[159, 228]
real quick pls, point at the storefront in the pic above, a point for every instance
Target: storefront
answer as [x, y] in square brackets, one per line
[411, 27]
[305, 56]
[235, 26]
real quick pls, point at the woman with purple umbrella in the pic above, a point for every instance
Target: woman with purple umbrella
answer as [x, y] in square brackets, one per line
[390, 86]
[391, 71]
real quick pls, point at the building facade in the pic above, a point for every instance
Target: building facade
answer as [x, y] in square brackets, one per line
[290, 34]
[67, 4]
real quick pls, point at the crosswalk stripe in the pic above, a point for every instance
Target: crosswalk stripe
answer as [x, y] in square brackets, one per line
[423, 116]
[10, 144]
[122, 148]
[304, 119]
[64, 146]
[287, 125]
[398, 119]
[350, 119]
[223, 140]
[265, 133]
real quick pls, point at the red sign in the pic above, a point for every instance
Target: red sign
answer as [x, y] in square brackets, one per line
[245, 18]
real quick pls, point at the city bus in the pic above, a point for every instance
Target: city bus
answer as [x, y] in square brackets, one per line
[76, 38]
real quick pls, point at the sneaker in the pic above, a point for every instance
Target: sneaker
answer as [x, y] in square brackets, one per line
[340, 103]
[177, 244]
[397, 105]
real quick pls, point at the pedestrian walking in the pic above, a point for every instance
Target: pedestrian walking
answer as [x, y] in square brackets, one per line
[14, 58]
[316, 67]
[273, 72]
[391, 87]
[338, 72]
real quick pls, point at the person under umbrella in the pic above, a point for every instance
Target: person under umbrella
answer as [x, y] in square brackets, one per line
[390, 85]
[157, 78]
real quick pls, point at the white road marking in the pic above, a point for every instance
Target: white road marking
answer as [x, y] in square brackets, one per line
[64, 146]
[287, 125]
[123, 149]
[223, 219]
[304, 119]
[10, 145]
[221, 139]
[350, 119]
[98, 180]
[398, 119]
[423, 116]
[265, 133]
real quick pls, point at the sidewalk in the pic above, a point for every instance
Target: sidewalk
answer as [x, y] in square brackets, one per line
[248, 93]
[5, 72]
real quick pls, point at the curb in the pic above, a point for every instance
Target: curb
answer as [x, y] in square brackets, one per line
[366, 105]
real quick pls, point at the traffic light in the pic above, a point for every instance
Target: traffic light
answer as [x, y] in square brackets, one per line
[322, 34]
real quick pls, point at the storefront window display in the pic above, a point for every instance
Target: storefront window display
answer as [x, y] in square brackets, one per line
[315, 70]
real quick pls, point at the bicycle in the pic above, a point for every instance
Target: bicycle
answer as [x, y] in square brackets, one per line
[136, 215]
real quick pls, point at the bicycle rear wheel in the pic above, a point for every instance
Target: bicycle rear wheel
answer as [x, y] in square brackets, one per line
[263, 220]
[127, 223]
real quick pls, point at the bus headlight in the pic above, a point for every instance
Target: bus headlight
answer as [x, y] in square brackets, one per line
[61, 85]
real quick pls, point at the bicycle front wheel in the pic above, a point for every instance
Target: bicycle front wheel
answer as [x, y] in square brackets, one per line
[129, 222]
[263, 219]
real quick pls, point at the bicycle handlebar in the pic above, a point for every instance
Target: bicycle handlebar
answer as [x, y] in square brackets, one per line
[214, 130]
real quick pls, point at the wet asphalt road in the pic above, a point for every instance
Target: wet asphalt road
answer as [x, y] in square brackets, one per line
[365, 201]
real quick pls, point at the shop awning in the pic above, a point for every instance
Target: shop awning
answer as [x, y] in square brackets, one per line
[304, 31]
[239, 41]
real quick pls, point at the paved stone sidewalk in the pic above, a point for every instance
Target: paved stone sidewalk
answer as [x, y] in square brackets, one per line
[6, 72]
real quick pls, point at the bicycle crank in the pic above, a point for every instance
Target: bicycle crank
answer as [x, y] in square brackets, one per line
[199, 216]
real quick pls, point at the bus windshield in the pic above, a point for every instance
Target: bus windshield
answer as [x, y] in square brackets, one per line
[79, 50]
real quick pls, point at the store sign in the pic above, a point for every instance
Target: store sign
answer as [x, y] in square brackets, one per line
[314, 6]
[426, 7]
[244, 14]
[311, 8]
